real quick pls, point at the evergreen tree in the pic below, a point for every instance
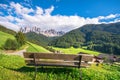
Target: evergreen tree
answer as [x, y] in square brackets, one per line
[20, 37]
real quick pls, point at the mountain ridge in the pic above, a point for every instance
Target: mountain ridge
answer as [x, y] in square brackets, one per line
[99, 37]
[48, 33]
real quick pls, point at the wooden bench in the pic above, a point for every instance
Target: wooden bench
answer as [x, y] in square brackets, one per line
[58, 60]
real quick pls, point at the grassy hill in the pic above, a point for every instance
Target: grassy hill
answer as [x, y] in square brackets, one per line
[31, 47]
[75, 50]
[35, 48]
[6, 30]
[14, 68]
[4, 36]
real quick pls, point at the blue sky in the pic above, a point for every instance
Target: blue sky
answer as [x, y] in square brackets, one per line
[57, 14]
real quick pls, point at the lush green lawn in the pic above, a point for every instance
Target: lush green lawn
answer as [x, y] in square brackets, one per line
[4, 37]
[35, 48]
[31, 47]
[75, 50]
[14, 68]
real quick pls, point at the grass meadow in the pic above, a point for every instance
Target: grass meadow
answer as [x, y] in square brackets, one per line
[35, 48]
[75, 50]
[4, 37]
[30, 46]
[14, 68]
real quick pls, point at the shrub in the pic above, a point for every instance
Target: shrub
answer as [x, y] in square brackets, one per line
[63, 45]
[76, 45]
[10, 44]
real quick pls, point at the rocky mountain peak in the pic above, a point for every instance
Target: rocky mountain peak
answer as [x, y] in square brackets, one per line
[48, 33]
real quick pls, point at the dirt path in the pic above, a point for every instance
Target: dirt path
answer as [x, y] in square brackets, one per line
[20, 52]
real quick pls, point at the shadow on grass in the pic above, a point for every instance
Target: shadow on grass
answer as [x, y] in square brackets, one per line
[56, 70]
[67, 72]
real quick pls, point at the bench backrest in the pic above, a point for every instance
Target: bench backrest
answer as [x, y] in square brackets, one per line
[52, 59]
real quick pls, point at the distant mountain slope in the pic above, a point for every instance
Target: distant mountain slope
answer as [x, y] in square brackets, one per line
[100, 37]
[112, 28]
[69, 39]
[37, 38]
[6, 30]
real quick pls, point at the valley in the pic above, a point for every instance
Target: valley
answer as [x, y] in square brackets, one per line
[59, 39]
[13, 67]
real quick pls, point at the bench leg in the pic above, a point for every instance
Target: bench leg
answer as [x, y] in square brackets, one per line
[68, 73]
[80, 74]
[35, 72]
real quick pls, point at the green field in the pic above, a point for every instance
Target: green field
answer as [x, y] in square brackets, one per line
[75, 50]
[31, 47]
[35, 48]
[14, 68]
[4, 37]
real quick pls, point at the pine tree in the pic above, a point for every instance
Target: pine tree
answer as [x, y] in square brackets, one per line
[20, 37]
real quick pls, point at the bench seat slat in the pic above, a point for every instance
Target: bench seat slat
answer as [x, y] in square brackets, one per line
[56, 65]
[39, 63]
[51, 56]
[52, 62]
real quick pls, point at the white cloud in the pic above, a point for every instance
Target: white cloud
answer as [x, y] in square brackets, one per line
[42, 18]
[19, 9]
[49, 10]
[39, 11]
[10, 18]
[4, 6]
[3, 19]
[109, 16]
[5, 22]
[10, 25]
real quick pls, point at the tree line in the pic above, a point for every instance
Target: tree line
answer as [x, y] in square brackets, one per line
[13, 44]
[99, 37]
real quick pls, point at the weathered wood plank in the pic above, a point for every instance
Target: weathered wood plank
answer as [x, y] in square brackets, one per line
[46, 63]
[87, 58]
[52, 59]
[52, 56]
